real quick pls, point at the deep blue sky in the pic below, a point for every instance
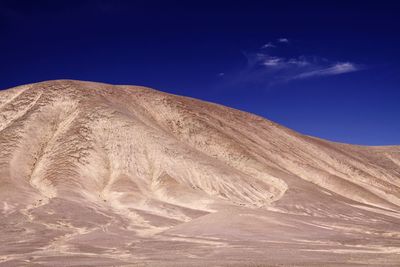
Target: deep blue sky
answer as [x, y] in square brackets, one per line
[325, 68]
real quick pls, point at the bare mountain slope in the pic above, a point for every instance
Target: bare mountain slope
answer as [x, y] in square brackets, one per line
[93, 174]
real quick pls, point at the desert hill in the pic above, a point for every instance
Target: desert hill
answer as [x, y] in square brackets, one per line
[100, 175]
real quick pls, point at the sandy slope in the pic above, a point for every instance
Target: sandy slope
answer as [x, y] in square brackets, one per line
[99, 175]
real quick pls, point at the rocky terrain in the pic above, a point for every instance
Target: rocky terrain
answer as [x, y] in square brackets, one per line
[99, 175]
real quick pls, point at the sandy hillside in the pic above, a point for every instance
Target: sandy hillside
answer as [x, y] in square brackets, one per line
[99, 175]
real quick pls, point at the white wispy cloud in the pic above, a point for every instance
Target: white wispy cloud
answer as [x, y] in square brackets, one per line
[286, 68]
[280, 65]
[272, 62]
[283, 40]
[282, 62]
[335, 69]
[268, 45]
[300, 62]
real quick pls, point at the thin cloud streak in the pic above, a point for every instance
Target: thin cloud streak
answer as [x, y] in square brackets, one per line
[338, 68]
[283, 40]
[268, 45]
